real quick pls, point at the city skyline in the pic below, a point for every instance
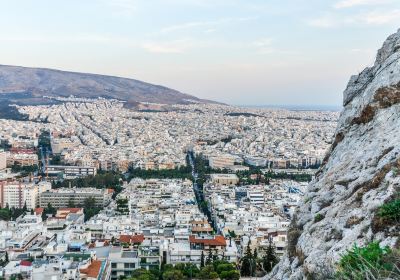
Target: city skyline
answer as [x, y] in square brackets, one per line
[236, 52]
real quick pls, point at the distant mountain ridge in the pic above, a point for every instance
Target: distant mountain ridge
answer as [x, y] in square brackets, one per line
[27, 86]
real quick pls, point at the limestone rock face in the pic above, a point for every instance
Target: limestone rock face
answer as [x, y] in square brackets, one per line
[359, 174]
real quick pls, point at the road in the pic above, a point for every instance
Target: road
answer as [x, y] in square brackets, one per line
[199, 192]
[195, 177]
[44, 154]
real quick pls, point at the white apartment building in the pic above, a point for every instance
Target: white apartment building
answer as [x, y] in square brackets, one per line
[60, 144]
[256, 196]
[224, 179]
[123, 262]
[221, 162]
[17, 194]
[70, 172]
[60, 198]
[3, 160]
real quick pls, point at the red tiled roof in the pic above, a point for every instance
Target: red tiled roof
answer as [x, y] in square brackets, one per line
[201, 229]
[71, 210]
[135, 239]
[21, 151]
[93, 269]
[39, 210]
[199, 222]
[110, 190]
[218, 240]
[25, 263]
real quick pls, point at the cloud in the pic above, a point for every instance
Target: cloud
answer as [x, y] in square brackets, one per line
[352, 3]
[122, 8]
[379, 18]
[375, 18]
[324, 22]
[209, 25]
[264, 45]
[189, 25]
[85, 38]
[173, 47]
[358, 50]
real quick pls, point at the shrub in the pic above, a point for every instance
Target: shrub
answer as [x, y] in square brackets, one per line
[319, 217]
[230, 275]
[173, 275]
[386, 216]
[390, 210]
[293, 238]
[368, 262]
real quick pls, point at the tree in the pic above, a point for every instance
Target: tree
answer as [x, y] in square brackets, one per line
[143, 274]
[189, 270]
[207, 273]
[122, 206]
[202, 259]
[5, 214]
[270, 259]
[232, 234]
[173, 274]
[230, 275]
[209, 257]
[49, 210]
[215, 256]
[248, 251]
[89, 208]
[71, 203]
[225, 267]
[255, 254]
[245, 268]
[248, 265]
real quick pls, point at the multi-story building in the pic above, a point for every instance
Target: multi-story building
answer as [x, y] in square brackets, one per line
[221, 162]
[22, 159]
[123, 262]
[3, 160]
[60, 144]
[255, 194]
[70, 172]
[215, 243]
[224, 179]
[61, 198]
[18, 194]
[256, 161]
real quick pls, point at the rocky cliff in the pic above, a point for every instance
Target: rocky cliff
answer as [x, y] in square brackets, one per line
[358, 175]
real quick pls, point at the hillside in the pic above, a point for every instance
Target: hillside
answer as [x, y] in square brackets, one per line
[24, 85]
[359, 175]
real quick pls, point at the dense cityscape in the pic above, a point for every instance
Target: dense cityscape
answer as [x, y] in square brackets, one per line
[92, 190]
[200, 140]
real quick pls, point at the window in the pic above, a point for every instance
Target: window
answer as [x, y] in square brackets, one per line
[113, 265]
[129, 265]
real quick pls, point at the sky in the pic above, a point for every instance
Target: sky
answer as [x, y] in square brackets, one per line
[240, 52]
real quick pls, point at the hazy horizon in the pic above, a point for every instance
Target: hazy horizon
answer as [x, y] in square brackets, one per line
[237, 52]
